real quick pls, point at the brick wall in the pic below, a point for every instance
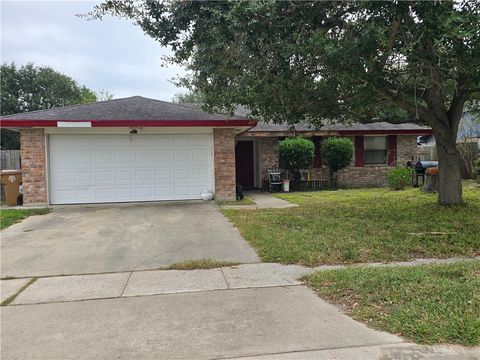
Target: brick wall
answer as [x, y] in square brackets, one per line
[32, 143]
[268, 156]
[375, 175]
[368, 175]
[406, 148]
[224, 162]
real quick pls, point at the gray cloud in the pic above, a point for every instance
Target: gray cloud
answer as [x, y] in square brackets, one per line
[111, 54]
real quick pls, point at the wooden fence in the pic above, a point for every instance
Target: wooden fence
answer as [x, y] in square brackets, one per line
[9, 159]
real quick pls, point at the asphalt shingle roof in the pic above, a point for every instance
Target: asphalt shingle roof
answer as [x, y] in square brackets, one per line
[375, 126]
[131, 108]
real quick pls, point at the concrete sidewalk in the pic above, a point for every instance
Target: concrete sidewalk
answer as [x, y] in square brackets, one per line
[154, 282]
[158, 282]
[249, 311]
[263, 200]
[198, 325]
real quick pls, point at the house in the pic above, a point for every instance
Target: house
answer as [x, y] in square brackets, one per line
[377, 146]
[139, 149]
[131, 149]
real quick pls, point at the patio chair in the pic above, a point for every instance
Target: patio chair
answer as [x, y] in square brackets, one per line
[275, 180]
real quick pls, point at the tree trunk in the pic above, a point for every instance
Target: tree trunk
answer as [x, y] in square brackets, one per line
[449, 178]
[333, 179]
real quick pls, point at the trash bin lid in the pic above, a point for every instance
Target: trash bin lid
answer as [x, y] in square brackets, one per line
[10, 172]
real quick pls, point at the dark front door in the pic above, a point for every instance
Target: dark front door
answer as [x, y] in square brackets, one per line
[244, 163]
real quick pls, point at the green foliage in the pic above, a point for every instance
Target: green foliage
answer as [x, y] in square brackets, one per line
[9, 140]
[477, 168]
[337, 152]
[291, 61]
[284, 58]
[9, 217]
[434, 304]
[194, 98]
[398, 178]
[296, 154]
[30, 88]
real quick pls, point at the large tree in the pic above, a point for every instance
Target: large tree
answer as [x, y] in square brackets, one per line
[291, 61]
[29, 88]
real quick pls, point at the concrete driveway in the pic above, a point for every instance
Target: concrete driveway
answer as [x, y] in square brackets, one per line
[112, 238]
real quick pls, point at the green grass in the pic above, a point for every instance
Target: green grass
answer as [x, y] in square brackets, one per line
[244, 201]
[9, 217]
[199, 264]
[427, 304]
[362, 225]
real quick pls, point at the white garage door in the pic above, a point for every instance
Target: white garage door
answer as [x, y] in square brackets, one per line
[120, 168]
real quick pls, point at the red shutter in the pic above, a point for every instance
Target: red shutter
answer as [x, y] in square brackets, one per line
[359, 157]
[392, 150]
[317, 161]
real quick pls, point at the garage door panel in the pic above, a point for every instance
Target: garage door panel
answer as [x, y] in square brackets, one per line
[162, 141]
[104, 158]
[163, 174]
[202, 141]
[116, 168]
[144, 175]
[124, 158]
[163, 158]
[181, 141]
[104, 176]
[105, 194]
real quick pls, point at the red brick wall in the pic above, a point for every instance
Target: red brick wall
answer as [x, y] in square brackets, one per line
[268, 156]
[368, 175]
[224, 162]
[32, 143]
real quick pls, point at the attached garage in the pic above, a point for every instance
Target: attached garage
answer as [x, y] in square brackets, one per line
[126, 150]
[120, 168]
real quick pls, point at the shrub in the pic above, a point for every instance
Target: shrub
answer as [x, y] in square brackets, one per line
[398, 178]
[296, 154]
[477, 168]
[337, 152]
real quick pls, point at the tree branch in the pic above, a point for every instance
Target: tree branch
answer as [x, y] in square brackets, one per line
[417, 110]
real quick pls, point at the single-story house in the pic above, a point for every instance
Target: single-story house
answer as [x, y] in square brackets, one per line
[139, 149]
[377, 146]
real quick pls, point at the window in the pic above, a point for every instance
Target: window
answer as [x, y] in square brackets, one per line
[375, 149]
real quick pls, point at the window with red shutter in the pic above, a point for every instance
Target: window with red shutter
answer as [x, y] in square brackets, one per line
[392, 150]
[359, 152]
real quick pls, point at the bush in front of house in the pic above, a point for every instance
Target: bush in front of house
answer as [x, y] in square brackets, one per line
[398, 178]
[337, 152]
[477, 168]
[296, 154]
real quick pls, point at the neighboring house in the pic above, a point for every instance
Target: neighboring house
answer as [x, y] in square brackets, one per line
[377, 147]
[139, 149]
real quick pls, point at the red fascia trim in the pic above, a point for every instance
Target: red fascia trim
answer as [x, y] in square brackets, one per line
[4, 123]
[386, 132]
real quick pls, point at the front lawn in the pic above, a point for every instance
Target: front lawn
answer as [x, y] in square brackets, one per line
[427, 304]
[362, 225]
[11, 216]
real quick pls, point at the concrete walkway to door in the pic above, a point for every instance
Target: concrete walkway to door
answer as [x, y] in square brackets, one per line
[120, 237]
[263, 200]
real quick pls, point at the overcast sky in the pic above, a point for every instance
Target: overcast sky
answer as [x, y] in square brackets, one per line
[111, 54]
